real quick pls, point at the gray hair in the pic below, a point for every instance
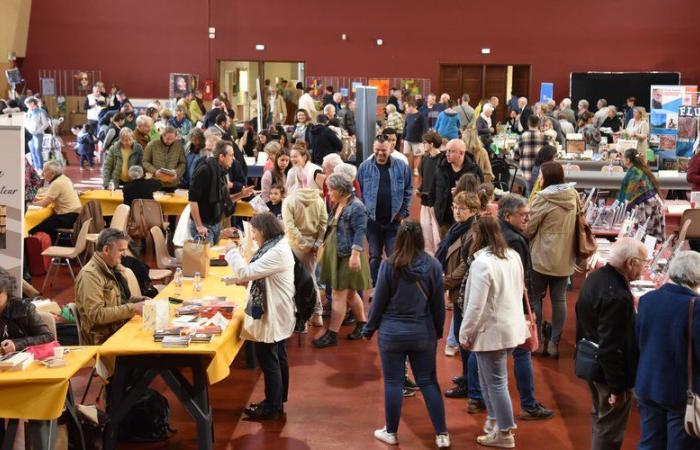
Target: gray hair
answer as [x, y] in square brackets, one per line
[349, 171]
[168, 130]
[566, 102]
[135, 173]
[144, 120]
[488, 107]
[390, 108]
[126, 132]
[328, 107]
[221, 148]
[331, 161]
[465, 98]
[8, 283]
[32, 100]
[509, 204]
[110, 236]
[583, 103]
[54, 167]
[685, 269]
[612, 108]
[625, 249]
[340, 183]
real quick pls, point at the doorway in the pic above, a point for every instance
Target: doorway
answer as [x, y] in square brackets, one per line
[482, 81]
[239, 79]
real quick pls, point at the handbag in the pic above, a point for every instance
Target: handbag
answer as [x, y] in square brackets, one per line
[586, 364]
[195, 258]
[532, 342]
[585, 240]
[692, 408]
[42, 351]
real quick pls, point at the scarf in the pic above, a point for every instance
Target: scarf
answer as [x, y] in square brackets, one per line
[257, 297]
[455, 232]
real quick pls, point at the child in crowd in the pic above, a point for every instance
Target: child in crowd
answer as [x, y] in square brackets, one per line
[276, 196]
[85, 144]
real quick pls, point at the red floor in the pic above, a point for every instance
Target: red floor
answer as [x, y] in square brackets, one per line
[336, 400]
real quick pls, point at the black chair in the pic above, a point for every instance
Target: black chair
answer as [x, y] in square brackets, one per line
[504, 174]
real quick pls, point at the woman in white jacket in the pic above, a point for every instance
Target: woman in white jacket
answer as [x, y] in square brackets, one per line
[269, 314]
[493, 324]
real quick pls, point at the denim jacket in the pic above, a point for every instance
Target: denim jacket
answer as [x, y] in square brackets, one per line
[351, 229]
[401, 186]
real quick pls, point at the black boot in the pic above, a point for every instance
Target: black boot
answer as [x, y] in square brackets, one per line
[330, 339]
[356, 334]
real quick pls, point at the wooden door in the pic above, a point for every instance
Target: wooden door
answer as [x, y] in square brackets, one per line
[450, 81]
[495, 86]
[521, 82]
[472, 83]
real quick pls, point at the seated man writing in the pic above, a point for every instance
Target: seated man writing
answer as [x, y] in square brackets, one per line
[101, 291]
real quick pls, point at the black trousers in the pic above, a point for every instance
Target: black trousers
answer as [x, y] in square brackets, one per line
[56, 221]
[272, 359]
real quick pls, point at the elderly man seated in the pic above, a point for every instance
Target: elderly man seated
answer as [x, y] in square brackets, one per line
[102, 293]
[62, 196]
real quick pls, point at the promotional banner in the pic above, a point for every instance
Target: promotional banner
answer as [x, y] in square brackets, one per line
[688, 121]
[546, 92]
[12, 197]
[666, 102]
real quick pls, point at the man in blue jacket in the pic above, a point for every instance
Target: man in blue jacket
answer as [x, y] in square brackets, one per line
[387, 186]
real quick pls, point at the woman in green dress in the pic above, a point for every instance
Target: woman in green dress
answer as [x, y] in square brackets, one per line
[344, 263]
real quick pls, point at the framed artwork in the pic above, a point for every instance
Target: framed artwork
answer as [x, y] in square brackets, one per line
[181, 83]
[382, 86]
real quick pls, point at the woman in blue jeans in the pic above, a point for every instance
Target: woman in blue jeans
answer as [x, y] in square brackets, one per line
[662, 372]
[408, 310]
[494, 324]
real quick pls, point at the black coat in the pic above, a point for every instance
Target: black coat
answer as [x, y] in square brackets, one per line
[209, 118]
[441, 191]
[605, 315]
[24, 325]
[323, 141]
[525, 116]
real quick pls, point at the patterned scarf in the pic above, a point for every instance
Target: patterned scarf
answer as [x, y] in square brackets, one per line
[257, 298]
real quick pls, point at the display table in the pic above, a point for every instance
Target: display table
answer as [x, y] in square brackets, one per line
[586, 179]
[34, 216]
[40, 393]
[133, 347]
[586, 164]
[172, 204]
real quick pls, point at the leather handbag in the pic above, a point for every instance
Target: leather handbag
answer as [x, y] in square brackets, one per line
[586, 364]
[692, 408]
[532, 342]
[585, 240]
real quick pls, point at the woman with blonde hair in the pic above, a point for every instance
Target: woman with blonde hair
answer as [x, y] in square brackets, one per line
[476, 149]
[638, 128]
[303, 172]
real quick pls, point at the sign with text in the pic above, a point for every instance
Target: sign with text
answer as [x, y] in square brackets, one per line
[11, 198]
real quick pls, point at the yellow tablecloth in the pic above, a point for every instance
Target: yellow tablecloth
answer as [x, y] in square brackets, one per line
[172, 204]
[34, 217]
[38, 392]
[132, 339]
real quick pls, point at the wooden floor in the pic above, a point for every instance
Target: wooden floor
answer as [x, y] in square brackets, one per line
[336, 400]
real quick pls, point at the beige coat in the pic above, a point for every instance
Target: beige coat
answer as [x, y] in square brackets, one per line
[551, 230]
[482, 160]
[305, 219]
[99, 302]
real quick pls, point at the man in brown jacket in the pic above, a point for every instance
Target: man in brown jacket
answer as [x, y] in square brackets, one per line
[166, 153]
[142, 134]
[101, 291]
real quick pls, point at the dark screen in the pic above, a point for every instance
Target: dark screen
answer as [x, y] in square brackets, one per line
[616, 87]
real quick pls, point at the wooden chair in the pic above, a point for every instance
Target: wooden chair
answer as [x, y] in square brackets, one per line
[571, 168]
[119, 221]
[59, 254]
[611, 169]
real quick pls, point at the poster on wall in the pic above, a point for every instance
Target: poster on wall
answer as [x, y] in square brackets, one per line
[546, 92]
[181, 83]
[664, 117]
[12, 197]
[688, 122]
[411, 87]
[382, 86]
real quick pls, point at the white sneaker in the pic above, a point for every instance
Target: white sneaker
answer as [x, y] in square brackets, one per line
[386, 437]
[497, 438]
[451, 350]
[490, 425]
[443, 441]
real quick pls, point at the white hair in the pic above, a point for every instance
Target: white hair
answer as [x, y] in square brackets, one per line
[144, 120]
[685, 269]
[488, 107]
[390, 108]
[625, 249]
[135, 172]
[331, 161]
[54, 167]
[327, 108]
[349, 171]
[566, 102]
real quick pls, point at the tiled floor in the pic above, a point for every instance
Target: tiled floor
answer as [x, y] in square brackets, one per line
[336, 399]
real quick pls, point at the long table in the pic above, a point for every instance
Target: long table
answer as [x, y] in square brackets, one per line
[133, 347]
[590, 179]
[586, 164]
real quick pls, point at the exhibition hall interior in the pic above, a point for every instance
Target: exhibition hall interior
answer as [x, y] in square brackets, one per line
[363, 225]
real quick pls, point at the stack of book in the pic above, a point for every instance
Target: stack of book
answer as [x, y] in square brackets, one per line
[16, 361]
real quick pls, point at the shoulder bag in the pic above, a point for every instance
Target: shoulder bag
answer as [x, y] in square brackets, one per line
[692, 408]
[533, 342]
[584, 238]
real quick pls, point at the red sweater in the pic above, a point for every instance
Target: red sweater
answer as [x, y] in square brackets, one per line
[693, 175]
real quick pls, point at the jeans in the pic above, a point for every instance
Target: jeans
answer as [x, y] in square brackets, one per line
[50, 225]
[662, 428]
[87, 158]
[557, 294]
[272, 359]
[452, 334]
[493, 375]
[470, 368]
[380, 237]
[35, 148]
[420, 351]
[607, 423]
[212, 235]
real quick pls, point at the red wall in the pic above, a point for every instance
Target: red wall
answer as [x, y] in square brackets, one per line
[137, 44]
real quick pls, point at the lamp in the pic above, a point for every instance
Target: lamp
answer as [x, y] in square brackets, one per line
[380, 42]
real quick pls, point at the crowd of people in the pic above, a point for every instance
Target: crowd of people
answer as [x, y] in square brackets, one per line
[348, 224]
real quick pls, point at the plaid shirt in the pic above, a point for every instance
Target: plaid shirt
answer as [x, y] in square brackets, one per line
[529, 144]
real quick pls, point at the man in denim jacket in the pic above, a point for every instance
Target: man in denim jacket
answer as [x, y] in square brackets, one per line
[387, 186]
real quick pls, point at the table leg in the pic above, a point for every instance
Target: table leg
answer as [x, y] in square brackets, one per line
[8, 438]
[75, 428]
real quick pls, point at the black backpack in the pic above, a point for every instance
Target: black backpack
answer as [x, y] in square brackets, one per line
[305, 293]
[148, 419]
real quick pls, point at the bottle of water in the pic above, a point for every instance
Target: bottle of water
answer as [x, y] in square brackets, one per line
[197, 283]
[111, 188]
[178, 282]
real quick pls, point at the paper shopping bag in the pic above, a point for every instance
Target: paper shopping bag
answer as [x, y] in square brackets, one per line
[195, 258]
